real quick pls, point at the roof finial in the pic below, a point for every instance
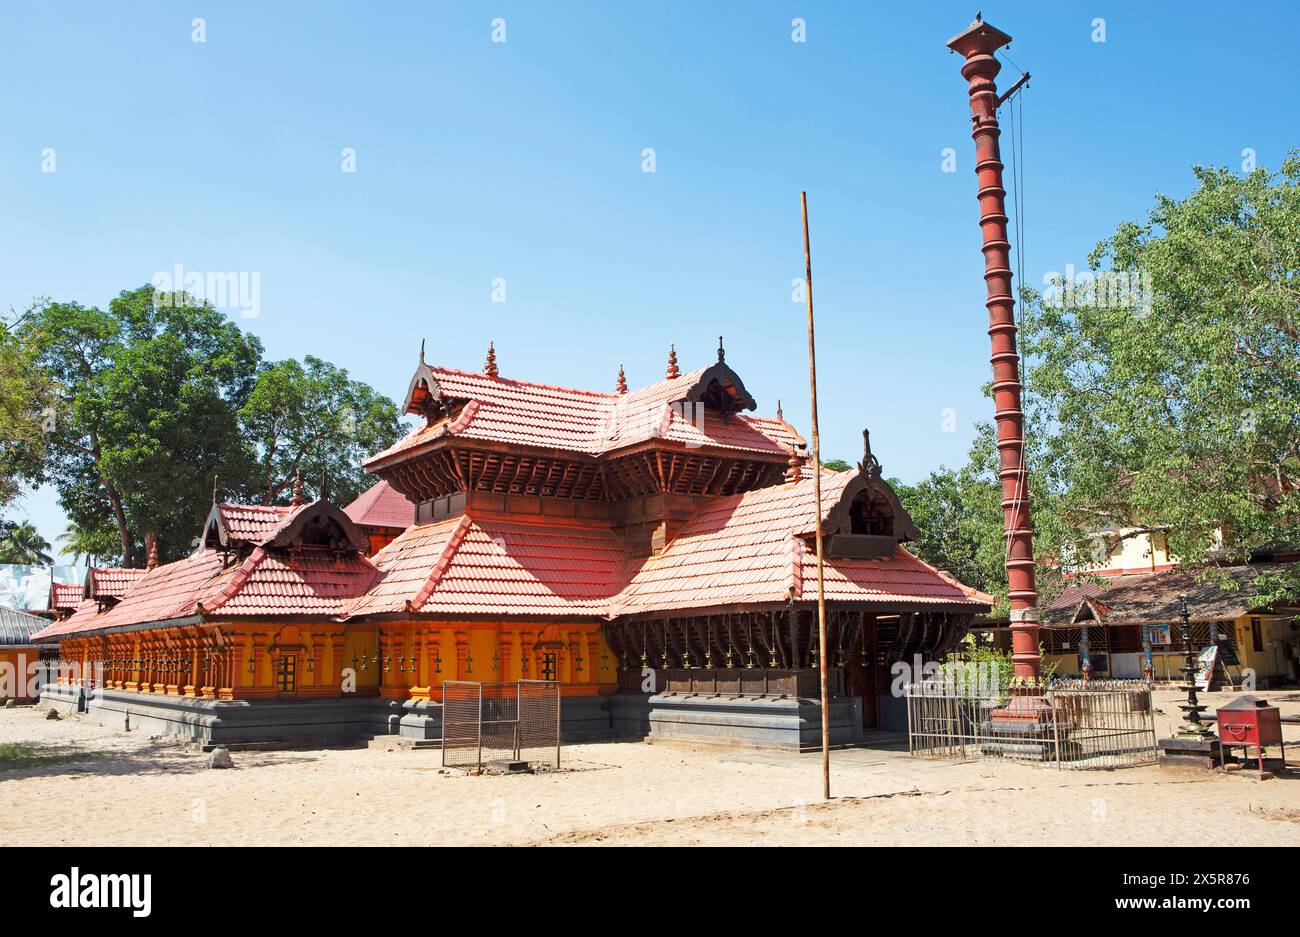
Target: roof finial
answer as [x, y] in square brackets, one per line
[297, 498]
[214, 488]
[870, 464]
[151, 544]
[672, 374]
[779, 415]
[794, 470]
[490, 368]
[621, 386]
[722, 354]
[324, 483]
[421, 351]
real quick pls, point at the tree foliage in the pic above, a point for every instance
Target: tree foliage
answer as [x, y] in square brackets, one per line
[22, 544]
[1174, 408]
[1168, 405]
[163, 401]
[311, 417]
[26, 408]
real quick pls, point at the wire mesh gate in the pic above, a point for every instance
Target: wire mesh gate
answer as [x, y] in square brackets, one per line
[485, 722]
[1071, 723]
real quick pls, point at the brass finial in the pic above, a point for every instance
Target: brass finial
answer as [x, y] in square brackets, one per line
[490, 368]
[421, 351]
[779, 415]
[621, 386]
[722, 354]
[672, 374]
[297, 498]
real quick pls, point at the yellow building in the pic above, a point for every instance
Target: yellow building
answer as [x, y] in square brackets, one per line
[1129, 626]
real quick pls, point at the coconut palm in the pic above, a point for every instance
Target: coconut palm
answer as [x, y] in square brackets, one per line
[78, 542]
[25, 546]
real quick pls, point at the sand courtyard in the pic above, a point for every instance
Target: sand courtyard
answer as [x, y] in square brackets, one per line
[76, 781]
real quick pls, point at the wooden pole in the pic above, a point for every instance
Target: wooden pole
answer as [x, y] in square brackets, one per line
[817, 495]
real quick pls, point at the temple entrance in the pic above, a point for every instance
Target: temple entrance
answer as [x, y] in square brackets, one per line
[862, 673]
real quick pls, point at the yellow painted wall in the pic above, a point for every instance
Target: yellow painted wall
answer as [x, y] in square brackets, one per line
[1275, 631]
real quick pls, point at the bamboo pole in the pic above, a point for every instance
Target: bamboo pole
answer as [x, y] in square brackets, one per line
[817, 494]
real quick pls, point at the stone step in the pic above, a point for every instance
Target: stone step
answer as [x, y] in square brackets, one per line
[399, 743]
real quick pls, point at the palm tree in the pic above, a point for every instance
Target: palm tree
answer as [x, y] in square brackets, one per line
[25, 546]
[78, 542]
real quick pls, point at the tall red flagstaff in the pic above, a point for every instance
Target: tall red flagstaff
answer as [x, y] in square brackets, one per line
[977, 44]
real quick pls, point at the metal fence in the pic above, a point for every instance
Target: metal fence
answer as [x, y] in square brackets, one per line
[487, 722]
[1069, 723]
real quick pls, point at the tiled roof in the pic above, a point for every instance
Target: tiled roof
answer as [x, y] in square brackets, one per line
[297, 581]
[166, 592]
[968, 591]
[255, 523]
[749, 548]
[293, 580]
[65, 596]
[488, 566]
[1154, 598]
[527, 413]
[381, 505]
[108, 582]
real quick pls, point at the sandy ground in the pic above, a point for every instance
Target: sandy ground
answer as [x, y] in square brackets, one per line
[110, 787]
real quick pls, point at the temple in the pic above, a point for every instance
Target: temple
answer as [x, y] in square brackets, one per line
[648, 549]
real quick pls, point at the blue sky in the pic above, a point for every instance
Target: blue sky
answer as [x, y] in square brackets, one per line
[522, 160]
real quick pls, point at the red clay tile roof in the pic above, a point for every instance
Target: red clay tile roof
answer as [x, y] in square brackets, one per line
[748, 548]
[107, 582]
[527, 413]
[297, 581]
[254, 523]
[65, 596]
[490, 566]
[84, 612]
[381, 505]
[969, 591]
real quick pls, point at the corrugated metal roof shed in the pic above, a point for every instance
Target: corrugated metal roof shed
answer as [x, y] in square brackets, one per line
[17, 628]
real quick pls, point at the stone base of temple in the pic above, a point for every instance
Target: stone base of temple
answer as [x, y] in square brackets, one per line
[294, 722]
[790, 723]
[233, 722]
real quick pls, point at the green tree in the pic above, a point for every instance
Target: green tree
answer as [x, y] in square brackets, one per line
[311, 417]
[836, 465]
[26, 407]
[150, 392]
[1173, 404]
[24, 545]
[92, 543]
